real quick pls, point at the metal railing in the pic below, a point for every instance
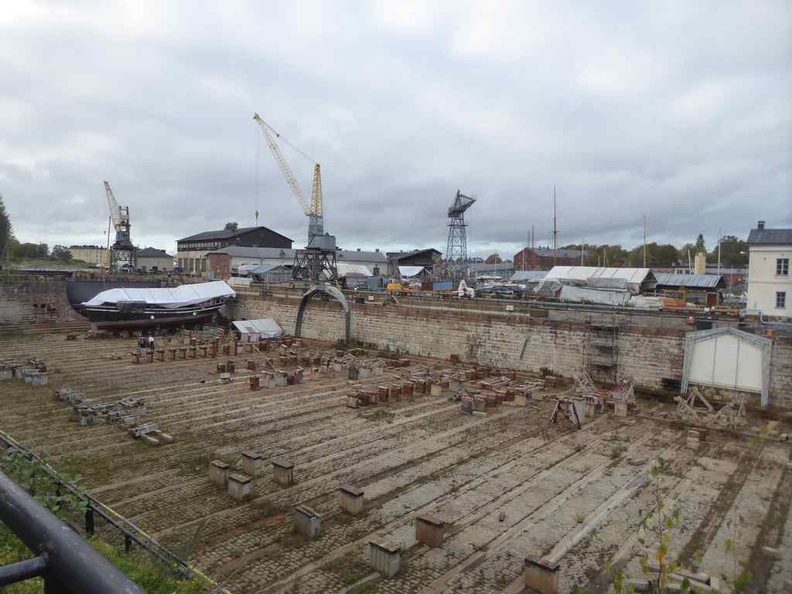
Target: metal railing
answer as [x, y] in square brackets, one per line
[66, 562]
[131, 534]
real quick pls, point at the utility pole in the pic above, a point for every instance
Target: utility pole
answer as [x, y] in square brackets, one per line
[555, 230]
[582, 250]
[720, 230]
[644, 259]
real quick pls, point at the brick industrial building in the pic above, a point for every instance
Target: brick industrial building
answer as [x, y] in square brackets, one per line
[544, 258]
[192, 251]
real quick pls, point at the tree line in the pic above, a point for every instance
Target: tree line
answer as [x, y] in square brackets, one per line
[734, 253]
[12, 249]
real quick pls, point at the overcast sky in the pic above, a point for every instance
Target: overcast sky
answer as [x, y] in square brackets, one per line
[681, 111]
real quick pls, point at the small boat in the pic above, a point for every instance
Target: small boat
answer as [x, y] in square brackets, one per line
[128, 308]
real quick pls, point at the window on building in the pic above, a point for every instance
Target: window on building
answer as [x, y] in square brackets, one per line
[782, 266]
[780, 299]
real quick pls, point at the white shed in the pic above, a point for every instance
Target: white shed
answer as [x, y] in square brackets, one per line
[255, 330]
[728, 358]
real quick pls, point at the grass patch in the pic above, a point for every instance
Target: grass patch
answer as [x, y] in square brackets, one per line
[379, 415]
[350, 568]
[153, 575]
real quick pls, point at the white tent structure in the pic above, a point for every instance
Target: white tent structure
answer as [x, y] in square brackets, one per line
[410, 271]
[255, 330]
[635, 280]
[345, 268]
[728, 358]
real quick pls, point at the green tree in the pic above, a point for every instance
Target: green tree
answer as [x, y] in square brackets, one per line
[61, 253]
[493, 259]
[734, 252]
[231, 226]
[29, 251]
[6, 232]
[656, 255]
[700, 247]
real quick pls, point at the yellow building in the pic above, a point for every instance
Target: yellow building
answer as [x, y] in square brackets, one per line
[91, 254]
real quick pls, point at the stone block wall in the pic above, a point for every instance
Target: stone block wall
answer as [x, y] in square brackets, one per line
[35, 302]
[781, 372]
[514, 340]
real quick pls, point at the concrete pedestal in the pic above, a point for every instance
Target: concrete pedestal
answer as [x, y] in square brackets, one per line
[283, 472]
[620, 409]
[541, 575]
[240, 487]
[693, 439]
[436, 390]
[252, 464]
[385, 557]
[520, 399]
[306, 521]
[429, 530]
[350, 500]
[218, 472]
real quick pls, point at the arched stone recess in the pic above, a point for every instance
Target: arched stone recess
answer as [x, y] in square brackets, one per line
[332, 292]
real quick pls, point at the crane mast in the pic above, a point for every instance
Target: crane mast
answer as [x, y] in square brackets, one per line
[313, 210]
[122, 250]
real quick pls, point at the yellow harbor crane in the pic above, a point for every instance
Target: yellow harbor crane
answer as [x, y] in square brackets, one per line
[313, 210]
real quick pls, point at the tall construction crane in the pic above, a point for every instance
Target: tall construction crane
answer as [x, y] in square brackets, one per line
[313, 210]
[121, 251]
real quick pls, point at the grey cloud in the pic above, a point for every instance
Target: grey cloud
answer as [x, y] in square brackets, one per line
[676, 111]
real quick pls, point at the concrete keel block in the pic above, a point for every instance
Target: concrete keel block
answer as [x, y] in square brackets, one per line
[283, 472]
[218, 472]
[350, 500]
[150, 440]
[541, 575]
[385, 557]
[252, 463]
[240, 486]
[306, 521]
[429, 530]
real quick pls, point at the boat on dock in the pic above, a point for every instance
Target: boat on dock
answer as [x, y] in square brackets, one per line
[133, 308]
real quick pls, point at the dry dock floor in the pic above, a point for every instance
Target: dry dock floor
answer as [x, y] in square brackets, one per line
[508, 484]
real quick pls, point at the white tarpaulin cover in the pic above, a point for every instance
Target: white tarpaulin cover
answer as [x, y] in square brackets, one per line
[181, 296]
[256, 329]
[410, 271]
[589, 295]
[637, 279]
[345, 268]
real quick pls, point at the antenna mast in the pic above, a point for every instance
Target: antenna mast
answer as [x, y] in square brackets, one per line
[644, 259]
[555, 230]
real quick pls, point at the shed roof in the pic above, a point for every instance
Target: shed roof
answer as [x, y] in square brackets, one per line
[150, 252]
[692, 281]
[770, 237]
[225, 234]
[529, 275]
[543, 252]
[401, 255]
[266, 327]
[631, 275]
[360, 256]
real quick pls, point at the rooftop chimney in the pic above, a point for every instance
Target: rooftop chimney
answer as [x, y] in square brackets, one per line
[760, 225]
